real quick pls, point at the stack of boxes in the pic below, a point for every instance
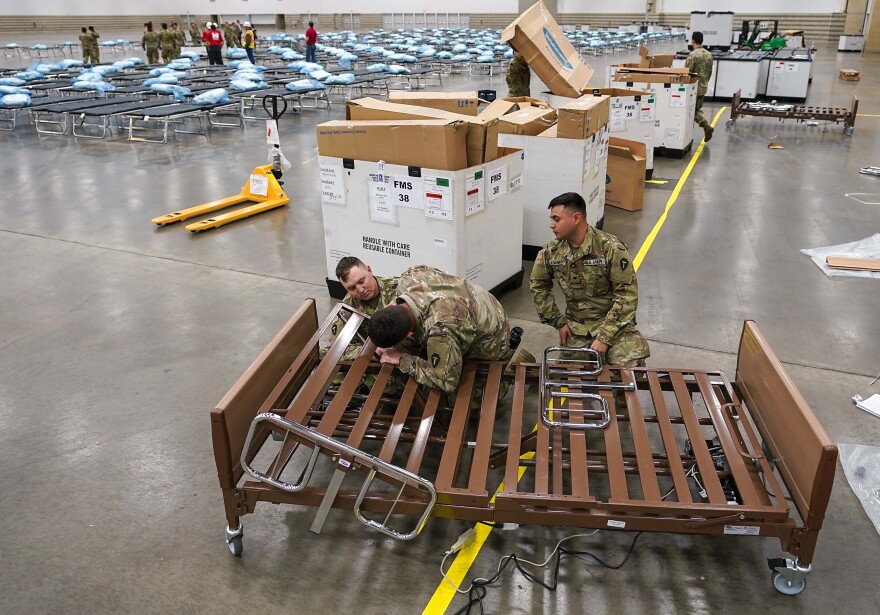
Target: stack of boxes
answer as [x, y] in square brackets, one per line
[429, 178]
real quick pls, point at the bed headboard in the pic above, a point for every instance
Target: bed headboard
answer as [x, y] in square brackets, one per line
[232, 417]
[803, 452]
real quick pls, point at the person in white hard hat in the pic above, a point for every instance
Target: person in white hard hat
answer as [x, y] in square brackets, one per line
[214, 41]
[249, 40]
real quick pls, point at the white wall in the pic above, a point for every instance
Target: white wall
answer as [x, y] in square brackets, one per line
[752, 6]
[205, 7]
[601, 6]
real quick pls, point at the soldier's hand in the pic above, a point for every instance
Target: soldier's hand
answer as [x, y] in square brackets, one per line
[564, 334]
[389, 355]
[599, 347]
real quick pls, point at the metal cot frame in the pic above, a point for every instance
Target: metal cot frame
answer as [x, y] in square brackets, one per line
[691, 453]
[799, 113]
[178, 113]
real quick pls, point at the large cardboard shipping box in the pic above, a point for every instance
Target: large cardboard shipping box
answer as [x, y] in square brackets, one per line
[497, 108]
[553, 166]
[649, 61]
[530, 121]
[524, 102]
[482, 129]
[467, 222]
[582, 117]
[626, 174]
[455, 102]
[537, 36]
[435, 144]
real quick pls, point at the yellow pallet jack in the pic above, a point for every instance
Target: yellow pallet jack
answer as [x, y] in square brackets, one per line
[262, 188]
[262, 180]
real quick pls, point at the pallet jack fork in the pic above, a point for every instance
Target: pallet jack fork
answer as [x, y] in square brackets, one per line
[274, 197]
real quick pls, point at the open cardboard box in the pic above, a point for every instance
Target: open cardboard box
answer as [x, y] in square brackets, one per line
[429, 143]
[537, 36]
[465, 103]
[582, 117]
[530, 121]
[626, 174]
[482, 130]
[630, 74]
[649, 61]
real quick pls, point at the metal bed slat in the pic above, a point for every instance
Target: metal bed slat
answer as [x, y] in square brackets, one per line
[613, 450]
[682, 491]
[647, 473]
[421, 439]
[396, 427]
[369, 408]
[741, 473]
[698, 443]
[577, 443]
[542, 461]
[511, 466]
[480, 462]
[556, 465]
[316, 386]
[349, 385]
[460, 412]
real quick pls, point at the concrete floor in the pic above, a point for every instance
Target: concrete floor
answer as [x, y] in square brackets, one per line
[118, 338]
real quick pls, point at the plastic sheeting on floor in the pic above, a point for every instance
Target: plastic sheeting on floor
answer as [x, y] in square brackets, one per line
[864, 248]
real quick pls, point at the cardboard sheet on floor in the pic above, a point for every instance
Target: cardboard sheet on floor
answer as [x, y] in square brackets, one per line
[864, 248]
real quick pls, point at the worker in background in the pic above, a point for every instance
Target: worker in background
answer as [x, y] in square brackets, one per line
[150, 44]
[204, 36]
[96, 48]
[699, 62]
[597, 279]
[249, 40]
[226, 28]
[311, 42]
[167, 43]
[452, 319]
[214, 42]
[519, 76]
[194, 34]
[179, 39]
[85, 43]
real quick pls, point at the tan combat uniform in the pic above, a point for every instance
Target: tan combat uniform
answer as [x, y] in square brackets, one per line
[150, 44]
[700, 62]
[519, 77]
[601, 295]
[454, 321]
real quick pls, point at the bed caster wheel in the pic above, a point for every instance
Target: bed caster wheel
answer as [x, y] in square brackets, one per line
[848, 131]
[729, 123]
[233, 540]
[783, 586]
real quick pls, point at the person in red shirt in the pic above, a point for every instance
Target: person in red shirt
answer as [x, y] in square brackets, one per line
[214, 40]
[311, 40]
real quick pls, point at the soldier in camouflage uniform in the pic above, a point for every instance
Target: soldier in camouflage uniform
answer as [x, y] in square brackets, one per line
[85, 43]
[518, 76]
[699, 62]
[167, 42]
[450, 317]
[179, 39]
[596, 276]
[150, 44]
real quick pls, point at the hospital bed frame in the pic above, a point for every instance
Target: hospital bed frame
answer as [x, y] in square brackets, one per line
[799, 113]
[691, 453]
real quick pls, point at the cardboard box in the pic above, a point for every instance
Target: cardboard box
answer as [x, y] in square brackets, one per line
[434, 144]
[481, 133]
[583, 117]
[630, 74]
[524, 102]
[849, 74]
[543, 44]
[497, 108]
[464, 103]
[659, 61]
[626, 174]
[531, 121]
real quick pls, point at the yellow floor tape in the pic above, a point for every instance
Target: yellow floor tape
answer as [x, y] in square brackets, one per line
[643, 251]
[445, 592]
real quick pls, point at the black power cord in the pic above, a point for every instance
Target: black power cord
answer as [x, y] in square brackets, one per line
[478, 588]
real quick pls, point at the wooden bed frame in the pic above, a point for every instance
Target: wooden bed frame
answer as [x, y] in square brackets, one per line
[683, 451]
